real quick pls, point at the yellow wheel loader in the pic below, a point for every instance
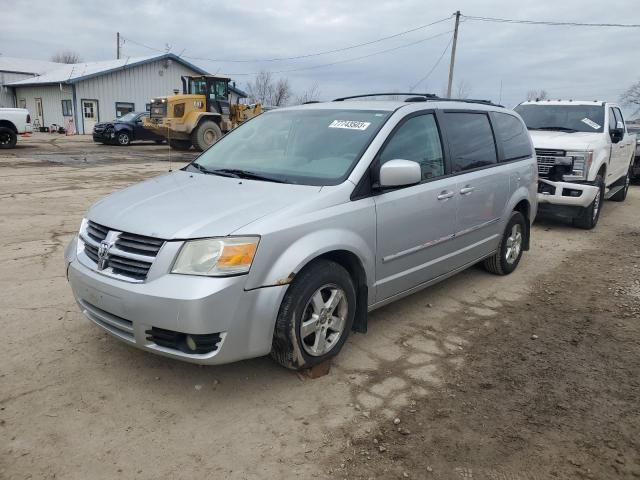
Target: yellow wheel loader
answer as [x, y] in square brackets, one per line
[200, 115]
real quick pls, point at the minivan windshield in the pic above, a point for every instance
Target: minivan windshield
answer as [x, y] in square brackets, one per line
[567, 118]
[311, 147]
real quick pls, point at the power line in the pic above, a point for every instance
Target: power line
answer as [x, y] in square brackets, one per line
[434, 66]
[308, 55]
[348, 59]
[558, 24]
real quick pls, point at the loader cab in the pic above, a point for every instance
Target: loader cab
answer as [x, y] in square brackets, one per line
[215, 90]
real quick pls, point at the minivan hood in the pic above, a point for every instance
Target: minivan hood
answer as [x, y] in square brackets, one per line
[576, 141]
[182, 205]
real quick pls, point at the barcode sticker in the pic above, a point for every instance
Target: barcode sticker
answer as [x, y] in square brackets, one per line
[349, 124]
[591, 123]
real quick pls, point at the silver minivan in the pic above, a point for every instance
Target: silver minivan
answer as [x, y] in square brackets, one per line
[282, 236]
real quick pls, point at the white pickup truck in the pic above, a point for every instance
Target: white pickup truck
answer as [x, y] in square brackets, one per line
[584, 156]
[13, 122]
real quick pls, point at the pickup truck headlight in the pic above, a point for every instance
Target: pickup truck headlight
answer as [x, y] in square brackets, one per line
[581, 165]
[216, 257]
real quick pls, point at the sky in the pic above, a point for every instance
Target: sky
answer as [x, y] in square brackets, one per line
[496, 61]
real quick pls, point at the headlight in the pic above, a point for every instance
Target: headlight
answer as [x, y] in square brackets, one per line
[216, 257]
[581, 165]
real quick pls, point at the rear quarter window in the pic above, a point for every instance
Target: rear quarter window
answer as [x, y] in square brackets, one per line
[513, 136]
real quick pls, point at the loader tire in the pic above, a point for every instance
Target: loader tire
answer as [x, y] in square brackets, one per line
[205, 135]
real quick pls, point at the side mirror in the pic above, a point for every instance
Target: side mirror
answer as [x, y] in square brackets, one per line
[400, 173]
[617, 133]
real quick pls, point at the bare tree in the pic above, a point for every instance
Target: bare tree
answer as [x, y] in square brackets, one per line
[632, 96]
[281, 93]
[66, 56]
[461, 90]
[309, 95]
[537, 95]
[264, 89]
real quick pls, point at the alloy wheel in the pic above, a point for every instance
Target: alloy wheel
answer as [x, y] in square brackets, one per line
[323, 320]
[514, 244]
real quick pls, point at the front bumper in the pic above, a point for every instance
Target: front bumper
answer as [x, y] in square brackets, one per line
[103, 136]
[188, 304]
[557, 193]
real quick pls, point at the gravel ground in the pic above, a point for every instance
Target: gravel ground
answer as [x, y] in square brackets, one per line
[529, 376]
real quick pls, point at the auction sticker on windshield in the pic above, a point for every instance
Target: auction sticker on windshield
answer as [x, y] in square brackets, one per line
[349, 124]
[591, 123]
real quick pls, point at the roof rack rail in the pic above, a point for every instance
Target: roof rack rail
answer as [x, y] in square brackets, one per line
[413, 94]
[422, 97]
[469, 100]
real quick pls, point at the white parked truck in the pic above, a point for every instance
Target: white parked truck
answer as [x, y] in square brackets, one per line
[13, 122]
[584, 156]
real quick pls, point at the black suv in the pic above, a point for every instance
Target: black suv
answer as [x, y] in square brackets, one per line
[125, 130]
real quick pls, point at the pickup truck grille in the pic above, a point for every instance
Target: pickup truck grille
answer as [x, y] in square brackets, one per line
[130, 255]
[547, 159]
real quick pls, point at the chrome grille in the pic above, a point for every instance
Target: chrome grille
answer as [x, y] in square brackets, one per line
[547, 159]
[130, 256]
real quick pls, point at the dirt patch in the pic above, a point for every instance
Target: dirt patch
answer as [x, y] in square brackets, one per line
[547, 387]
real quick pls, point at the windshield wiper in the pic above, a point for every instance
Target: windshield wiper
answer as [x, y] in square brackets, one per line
[561, 129]
[206, 171]
[239, 173]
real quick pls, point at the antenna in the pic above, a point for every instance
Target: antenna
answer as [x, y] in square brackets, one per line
[169, 144]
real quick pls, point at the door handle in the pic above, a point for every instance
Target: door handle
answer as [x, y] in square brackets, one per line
[467, 190]
[445, 194]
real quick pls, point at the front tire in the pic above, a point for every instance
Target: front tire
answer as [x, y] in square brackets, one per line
[510, 249]
[8, 138]
[590, 215]
[123, 139]
[315, 317]
[205, 135]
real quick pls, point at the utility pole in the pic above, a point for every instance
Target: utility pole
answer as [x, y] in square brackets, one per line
[453, 53]
[118, 45]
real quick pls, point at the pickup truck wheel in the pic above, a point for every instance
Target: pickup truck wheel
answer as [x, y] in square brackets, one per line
[8, 138]
[621, 195]
[315, 317]
[123, 139]
[509, 252]
[182, 145]
[205, 135]
[590, 215]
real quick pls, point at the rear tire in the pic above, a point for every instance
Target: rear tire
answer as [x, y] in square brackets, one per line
[8, 138]
[590, 215]
[315, 317]
[510, 249]
[621, 195]
[205, 135]
[182, 145]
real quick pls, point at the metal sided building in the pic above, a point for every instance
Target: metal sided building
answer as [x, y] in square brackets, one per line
[15, 69]
[77, 96]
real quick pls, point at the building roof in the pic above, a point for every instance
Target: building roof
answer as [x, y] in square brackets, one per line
[26, 65]
[76, 72]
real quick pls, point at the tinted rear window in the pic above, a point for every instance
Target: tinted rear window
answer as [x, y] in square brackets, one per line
[513, 136]
[470, 140]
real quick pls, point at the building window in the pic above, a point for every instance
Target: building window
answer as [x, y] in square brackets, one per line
[67, 111]
[147, 107]
[122, 108]
[22, 103]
